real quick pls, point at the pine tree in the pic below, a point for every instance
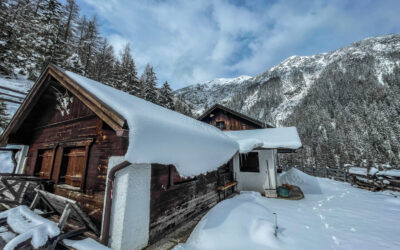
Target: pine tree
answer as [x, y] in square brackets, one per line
[116, 79]
[166, 97]
[128, 73]
[69, 40]
[150, 84]
[50, 45]
[103, 63]
[88, 44]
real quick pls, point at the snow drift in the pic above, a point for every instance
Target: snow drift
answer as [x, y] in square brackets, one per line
[159, 135]
[237, 223]
[28, 225]
[307, 183]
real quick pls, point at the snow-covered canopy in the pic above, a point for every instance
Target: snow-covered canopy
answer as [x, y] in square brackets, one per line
[268, 138]
[159, 135]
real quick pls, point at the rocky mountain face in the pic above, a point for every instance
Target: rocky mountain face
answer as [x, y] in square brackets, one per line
[345, 103]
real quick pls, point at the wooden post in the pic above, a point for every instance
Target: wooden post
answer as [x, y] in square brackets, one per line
[345, 175]
[64, 216]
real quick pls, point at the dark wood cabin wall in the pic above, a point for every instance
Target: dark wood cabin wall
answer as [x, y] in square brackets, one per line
[170, 206]
[45, 126]
[232, 122]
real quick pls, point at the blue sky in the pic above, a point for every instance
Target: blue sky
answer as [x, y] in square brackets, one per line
[189, 41]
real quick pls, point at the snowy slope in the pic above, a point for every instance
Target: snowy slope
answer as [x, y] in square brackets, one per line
[22, 85]
[290, 81]
[344, 103]
[333, 215]
[203, 95]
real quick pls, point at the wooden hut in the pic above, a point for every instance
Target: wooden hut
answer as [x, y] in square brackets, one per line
[255, 165]
[121, 158]
[228, 119]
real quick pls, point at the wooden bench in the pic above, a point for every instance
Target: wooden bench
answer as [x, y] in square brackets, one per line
[228, 185]
[225, 187]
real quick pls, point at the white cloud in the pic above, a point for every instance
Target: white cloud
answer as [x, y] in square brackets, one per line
[192, 41]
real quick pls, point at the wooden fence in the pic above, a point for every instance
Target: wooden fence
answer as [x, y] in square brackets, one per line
[340, 174]
[375, 181]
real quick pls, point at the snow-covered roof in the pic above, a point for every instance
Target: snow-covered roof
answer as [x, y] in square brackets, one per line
[159, 135]
[268, 138]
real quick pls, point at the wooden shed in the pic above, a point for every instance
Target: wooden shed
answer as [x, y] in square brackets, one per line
[255, 165]
[75, 136]
[228, 119]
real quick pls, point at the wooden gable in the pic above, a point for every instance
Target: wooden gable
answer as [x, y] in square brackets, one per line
[227, 119]
[53, 78]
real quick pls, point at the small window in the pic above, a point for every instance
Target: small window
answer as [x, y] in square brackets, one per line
[221, 125]
[244, 126]
[72, 167]
[176, 179]
[249, 162]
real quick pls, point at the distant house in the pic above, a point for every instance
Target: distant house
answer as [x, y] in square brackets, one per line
[137, 169]
[228, 119]
[255, 166]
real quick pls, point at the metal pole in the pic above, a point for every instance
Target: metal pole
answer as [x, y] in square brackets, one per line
[275, 224]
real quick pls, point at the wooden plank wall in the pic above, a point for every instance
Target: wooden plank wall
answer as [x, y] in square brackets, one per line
[45, 127]
[232, 122]
[170, 206]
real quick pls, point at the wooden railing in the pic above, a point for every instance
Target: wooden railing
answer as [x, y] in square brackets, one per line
[17, 189]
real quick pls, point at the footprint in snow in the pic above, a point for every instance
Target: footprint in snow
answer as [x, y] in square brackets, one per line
[330, 197]
[335, 240]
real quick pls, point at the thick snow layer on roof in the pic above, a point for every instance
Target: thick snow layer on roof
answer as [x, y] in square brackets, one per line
[266, 138]
[29, 225]
[159, 135]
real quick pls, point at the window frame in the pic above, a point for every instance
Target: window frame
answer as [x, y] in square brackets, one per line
[243, 167]
[218, 124]
[63, 147]
[37, 160]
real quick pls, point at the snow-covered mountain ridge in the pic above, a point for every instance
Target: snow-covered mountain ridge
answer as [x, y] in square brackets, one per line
[295, 75]
[356, 87]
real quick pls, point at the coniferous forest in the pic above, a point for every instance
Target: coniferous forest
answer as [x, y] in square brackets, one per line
[36, 32]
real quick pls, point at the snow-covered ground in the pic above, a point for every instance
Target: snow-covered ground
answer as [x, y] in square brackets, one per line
[19, 84]
[333, 215]
[6, 165]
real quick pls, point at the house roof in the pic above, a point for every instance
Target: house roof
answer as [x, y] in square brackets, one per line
[268, 138]
[156, 134]
[235, 113]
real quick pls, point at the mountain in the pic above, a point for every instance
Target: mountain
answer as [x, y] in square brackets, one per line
[345, 103]
[203, 95]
